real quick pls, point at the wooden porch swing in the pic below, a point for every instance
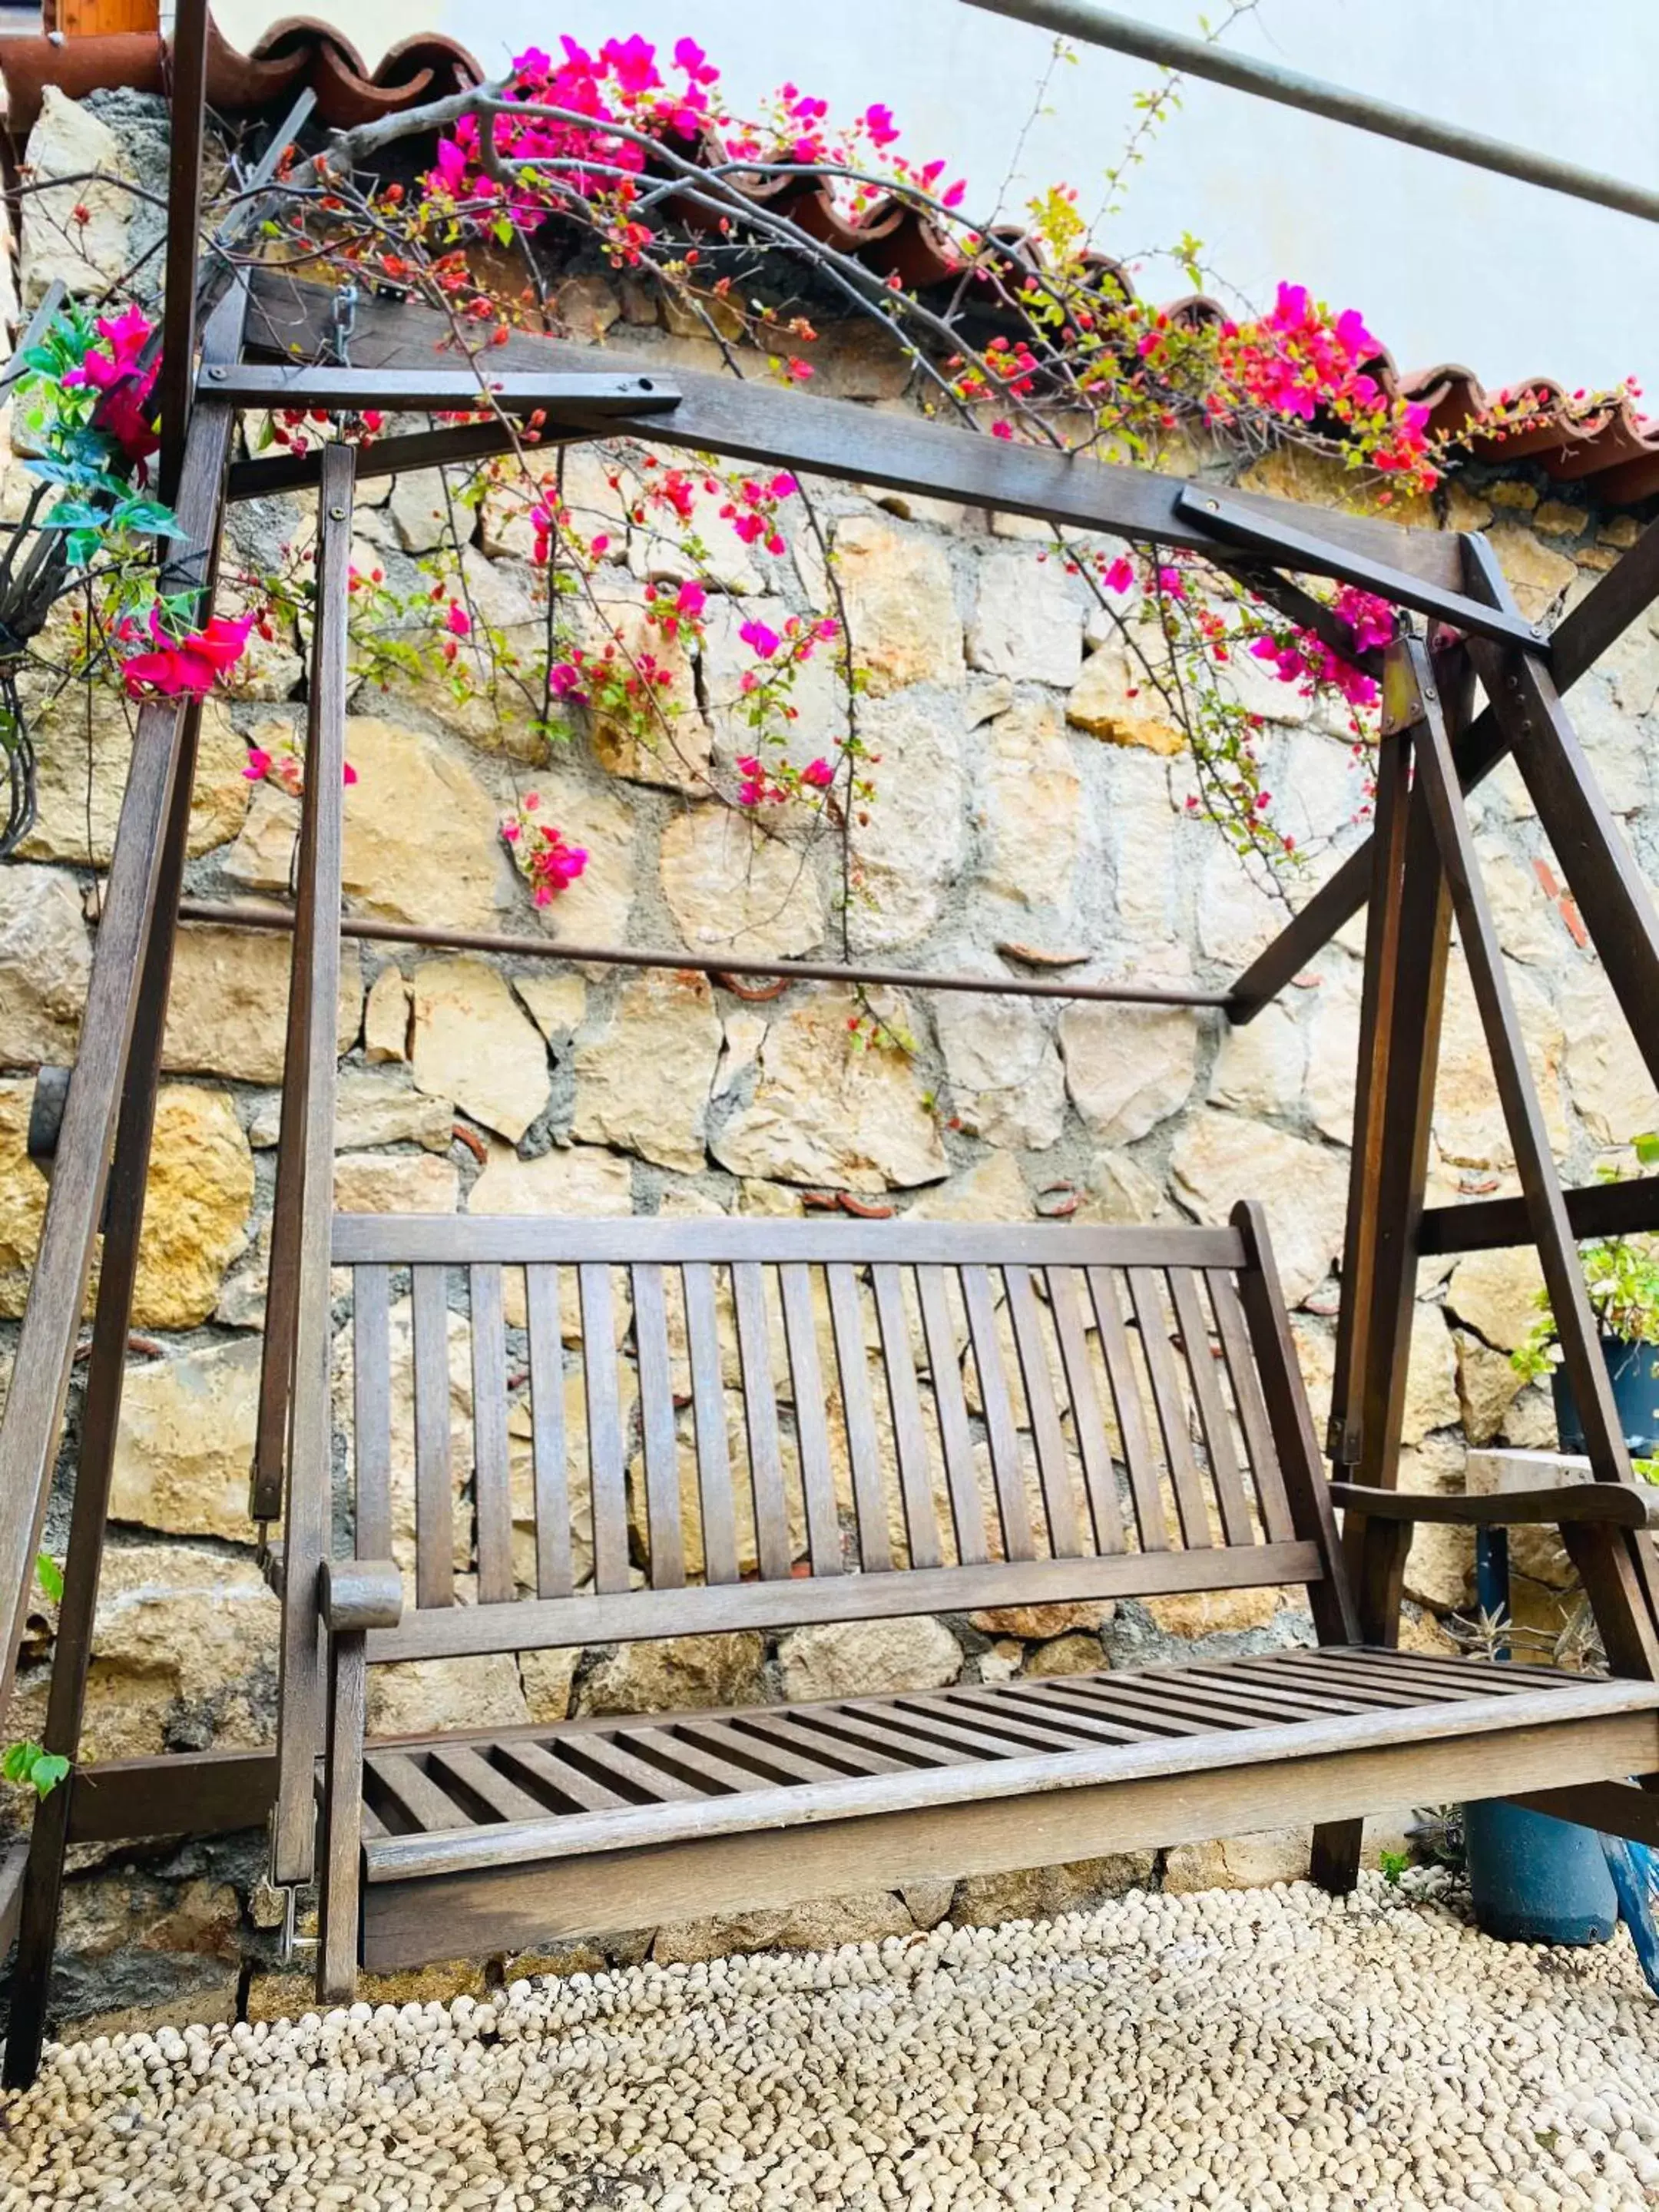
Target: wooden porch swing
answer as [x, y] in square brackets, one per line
[848, 1397]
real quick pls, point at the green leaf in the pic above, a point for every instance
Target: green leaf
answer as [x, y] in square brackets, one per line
[1647, 1147]
[47, 1771]
[49, 1575]
[149, 517]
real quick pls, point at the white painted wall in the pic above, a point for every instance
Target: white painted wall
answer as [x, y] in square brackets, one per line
[1447, 263]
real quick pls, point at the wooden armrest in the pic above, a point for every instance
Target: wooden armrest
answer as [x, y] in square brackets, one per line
[1614, 1504]
[360, 1594]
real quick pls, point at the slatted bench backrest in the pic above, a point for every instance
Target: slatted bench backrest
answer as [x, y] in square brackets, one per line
[574, 1431]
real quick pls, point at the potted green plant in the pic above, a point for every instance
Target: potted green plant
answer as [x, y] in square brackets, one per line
[1621, 1274]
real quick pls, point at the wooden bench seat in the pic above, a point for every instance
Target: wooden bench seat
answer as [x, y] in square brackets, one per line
[585, 1814]
[581, 1433]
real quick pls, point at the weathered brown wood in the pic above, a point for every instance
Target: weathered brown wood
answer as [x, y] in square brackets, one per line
[306, 1508]
[760, 1414]
[187, 105]
[1170, 1406]
[515, 1240]
[1484, 1224]
[1099, 1477]
[359, 1593]
[371, 1410]
[342, 1822]
[1592, 850]
[858, 1411]
[625, 1616]
[435, 1494]
[1131, 1414]
[1618, 1504]
[623, 395]
[1618, 1808]
[607, 1454]
[40, 1897]
[754, 421]
[203, 1793]
[1329, 1599]
[1259, 1445]
[549, 1473]
[811, 1427]
[492, 1496]
[1376, 1015]
[1053, 1469]
[1279, 538]
[715, 1495]
[909, 1432]
[958, 1786]
[1225, 1471]
[515, 1908]
[1013, 1516]
[662, 1475]
[966, 1508]
[33, 1416]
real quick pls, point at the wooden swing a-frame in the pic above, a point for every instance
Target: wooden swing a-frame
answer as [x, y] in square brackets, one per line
[490, 1843]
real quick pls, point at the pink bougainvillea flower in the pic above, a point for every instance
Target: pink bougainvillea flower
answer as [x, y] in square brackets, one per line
[761, 641]
[691, 600]
[185, 667]
[878, 120]
[1121, 576]
[819, 774]
[258, 764]
[458, 621]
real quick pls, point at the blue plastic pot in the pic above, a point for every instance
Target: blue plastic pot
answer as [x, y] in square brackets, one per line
[1630, 1367]
[1537, 1881]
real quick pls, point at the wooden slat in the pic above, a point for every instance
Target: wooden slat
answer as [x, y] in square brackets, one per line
[549, 1466]
[910, 1736]
[795, 1730]
[998, 1726]
[1317, 1687]
[811, 1425]
[901, 1752]
[1054, 1472]
[371, 1411]
[435, 1497]
[1252, 1412]
[760, 1413]
[607, 1463]
[341, 1822]
[492, 1490]
[1064, 1726]
[863, 1445]
[955, 1440]
[764, 1757]
[909, 1432]
[1169, 1706]
[683, 1754]
[1272, 1691]
[714, 1498]
[464, 1774]
[662, 1478]
[1009, 1476]
[403, 1239]
[1170, 1406]
[546, 1776]
[559, 1884]
[1212, 1412]
[423, 1800]
[620, 1769]
[1099, 1478]
[540, 1624]
[1084, 1693]
[1131, 1413]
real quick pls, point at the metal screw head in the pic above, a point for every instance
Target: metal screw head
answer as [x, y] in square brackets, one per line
[1538, 629]
[1211, 507]
[218, 374]
[337, 514]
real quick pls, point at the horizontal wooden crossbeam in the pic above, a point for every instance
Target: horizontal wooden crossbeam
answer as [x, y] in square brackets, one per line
[1608, 1504]
[1294, 549]
[750, 419]
[438, 390]
[1484, 1224]
[457, 445]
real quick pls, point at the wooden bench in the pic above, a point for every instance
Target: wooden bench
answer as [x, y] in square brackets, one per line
[683, 1427]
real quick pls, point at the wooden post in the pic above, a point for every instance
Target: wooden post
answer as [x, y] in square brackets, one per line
[310, 1131]
[188, 118]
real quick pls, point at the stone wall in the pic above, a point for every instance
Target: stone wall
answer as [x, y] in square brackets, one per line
[1026, 796]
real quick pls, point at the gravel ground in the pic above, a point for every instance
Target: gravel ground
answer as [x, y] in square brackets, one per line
[1240, 2049]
